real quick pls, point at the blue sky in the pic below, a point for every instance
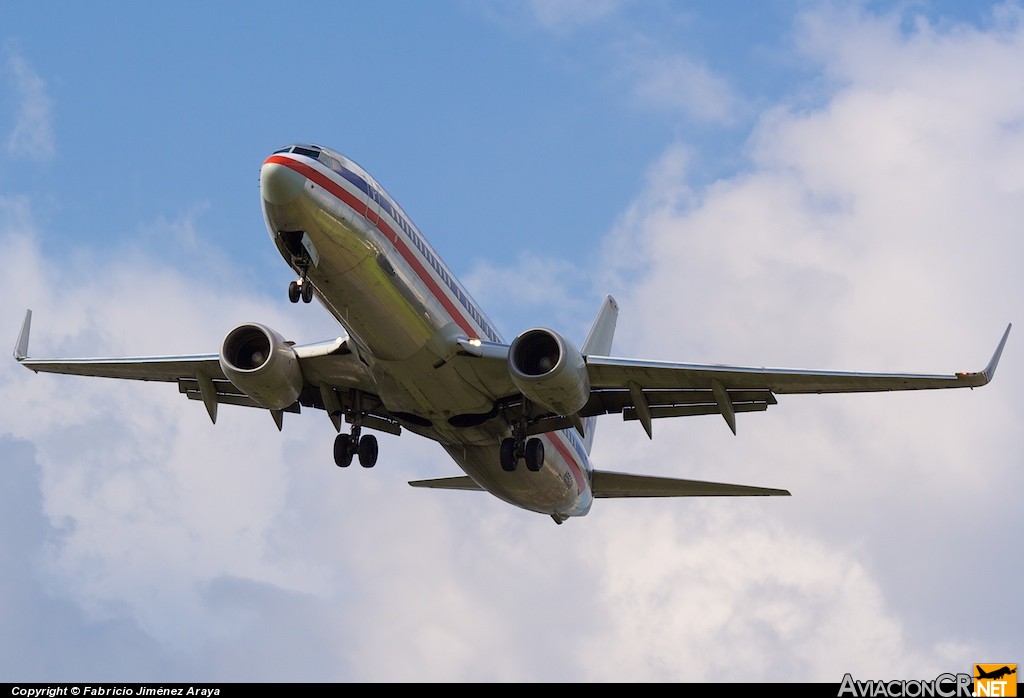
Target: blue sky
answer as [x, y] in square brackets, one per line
[810, 184]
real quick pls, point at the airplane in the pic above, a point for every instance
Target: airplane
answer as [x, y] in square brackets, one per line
[418, 354]
[995, 674]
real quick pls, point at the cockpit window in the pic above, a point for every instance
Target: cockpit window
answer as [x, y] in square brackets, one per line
[308, 152]
[332, 162]
[283, 150]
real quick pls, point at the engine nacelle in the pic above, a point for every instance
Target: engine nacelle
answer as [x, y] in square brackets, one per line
[260, 363]
[549, 370]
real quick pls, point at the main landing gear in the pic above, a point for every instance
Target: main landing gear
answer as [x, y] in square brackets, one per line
[348, 445]
[352, 444]
[513, 449]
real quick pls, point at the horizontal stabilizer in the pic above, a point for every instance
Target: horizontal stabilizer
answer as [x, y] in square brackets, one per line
[449, 483]
[609, 485]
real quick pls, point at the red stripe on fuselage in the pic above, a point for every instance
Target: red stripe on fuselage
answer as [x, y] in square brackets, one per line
[577, 472]
[382, 225]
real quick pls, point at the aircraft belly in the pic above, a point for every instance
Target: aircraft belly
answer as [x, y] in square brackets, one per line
[553, 490]
[433, 392]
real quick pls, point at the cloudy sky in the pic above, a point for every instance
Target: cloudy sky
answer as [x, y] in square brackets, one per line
[835, 186]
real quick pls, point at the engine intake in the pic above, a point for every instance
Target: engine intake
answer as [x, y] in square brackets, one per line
[548, 369]
[260, 363]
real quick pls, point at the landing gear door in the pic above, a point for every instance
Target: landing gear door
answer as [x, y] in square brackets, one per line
[307, 244]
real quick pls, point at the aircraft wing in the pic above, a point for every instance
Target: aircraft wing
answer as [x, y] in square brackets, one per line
[329, 369]
[645, 390]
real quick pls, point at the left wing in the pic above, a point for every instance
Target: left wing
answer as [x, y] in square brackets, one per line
[329, 370]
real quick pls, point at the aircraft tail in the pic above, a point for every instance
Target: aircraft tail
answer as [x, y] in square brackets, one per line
[599, 343]
[599, 339]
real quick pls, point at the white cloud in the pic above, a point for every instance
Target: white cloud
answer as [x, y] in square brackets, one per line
[678, 83]
[536, 291]
[564, 15]
[32, 135]
[877, 232]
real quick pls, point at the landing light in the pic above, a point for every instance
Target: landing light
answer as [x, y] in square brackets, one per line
[476, 342]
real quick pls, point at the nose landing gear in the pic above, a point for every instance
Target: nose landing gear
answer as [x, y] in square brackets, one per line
[301, 288]
[302, 255]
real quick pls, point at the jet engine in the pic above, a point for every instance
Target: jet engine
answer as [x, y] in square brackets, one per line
[549, 370]
[260, 363]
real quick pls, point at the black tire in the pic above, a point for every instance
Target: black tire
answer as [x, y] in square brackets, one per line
[367, 451]
[307, 291]
[534, 454]
[343, 451]
[508, 455]
[294, 292]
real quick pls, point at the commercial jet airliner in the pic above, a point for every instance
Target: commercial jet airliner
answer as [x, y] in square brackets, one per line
[417, 353]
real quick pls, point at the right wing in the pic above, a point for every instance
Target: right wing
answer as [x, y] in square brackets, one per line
[645, 390]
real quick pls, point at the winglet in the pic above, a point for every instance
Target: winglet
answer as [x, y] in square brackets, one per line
[21, 348]
[990, 370]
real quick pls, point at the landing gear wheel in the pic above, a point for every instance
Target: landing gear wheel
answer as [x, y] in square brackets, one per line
[343, 451]
[307, 291]
[534, 454]
[294, 292]
[509, 460]
[367, 451]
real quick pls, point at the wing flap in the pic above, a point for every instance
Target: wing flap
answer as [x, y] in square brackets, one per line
[240, 400]
[611, 485]
[630, 413]
[660, 404]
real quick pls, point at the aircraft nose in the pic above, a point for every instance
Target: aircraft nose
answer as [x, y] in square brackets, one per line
[279, 184]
